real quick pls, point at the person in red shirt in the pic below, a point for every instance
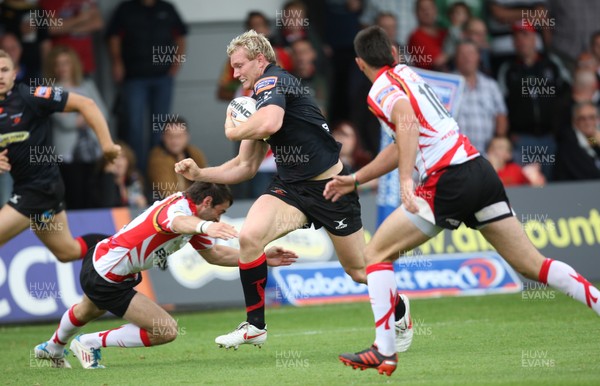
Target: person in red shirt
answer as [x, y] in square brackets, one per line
[75, 21]
[425, 44]
[499, 153]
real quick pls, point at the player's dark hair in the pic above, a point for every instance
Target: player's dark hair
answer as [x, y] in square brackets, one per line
[251, 15]
[374, 47]
[220, 193]
[460, 4]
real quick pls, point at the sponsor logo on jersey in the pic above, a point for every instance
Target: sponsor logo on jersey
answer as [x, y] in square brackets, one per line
[383, 94]
[43, 92]
[57, 94]
[279, 191]
[17, 136]
[265, 84]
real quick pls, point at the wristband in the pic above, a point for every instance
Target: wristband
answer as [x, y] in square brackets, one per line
[356, 183]
[200, 226]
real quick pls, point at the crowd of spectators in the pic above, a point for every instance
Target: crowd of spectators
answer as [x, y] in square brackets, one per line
[530, 100]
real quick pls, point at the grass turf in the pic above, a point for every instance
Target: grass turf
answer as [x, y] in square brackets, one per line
[544, 339]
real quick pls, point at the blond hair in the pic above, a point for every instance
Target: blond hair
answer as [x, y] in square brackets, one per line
[254, 43]
[4, 54]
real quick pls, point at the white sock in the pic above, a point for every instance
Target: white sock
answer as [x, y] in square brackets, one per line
[382, 292]
[564, 278]
[128, 335]
[67, 328]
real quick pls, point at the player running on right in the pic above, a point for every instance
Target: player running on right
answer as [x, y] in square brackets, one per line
[455, 185]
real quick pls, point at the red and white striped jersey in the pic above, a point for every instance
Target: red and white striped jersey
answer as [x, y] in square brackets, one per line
[440, 143]
[133, 249]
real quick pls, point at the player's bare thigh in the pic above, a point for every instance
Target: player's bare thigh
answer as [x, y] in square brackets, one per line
[147, 315]
[350, 251]
[511, 242]
[11, 223]
[56, 235]
[396, 235]
[268, 219]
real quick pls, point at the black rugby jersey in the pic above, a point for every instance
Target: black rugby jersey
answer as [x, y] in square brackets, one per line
[25, 132]
[303, 147]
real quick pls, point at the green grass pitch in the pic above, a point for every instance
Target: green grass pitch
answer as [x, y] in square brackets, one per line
[530, 338]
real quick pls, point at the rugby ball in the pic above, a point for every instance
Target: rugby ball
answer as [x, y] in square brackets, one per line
[241, 109]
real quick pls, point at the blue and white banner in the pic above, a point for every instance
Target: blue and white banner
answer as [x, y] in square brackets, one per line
[422, 276]
[448, 87]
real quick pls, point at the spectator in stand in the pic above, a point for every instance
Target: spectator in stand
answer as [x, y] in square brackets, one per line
[482, 113]
[293, 24]
[403, 11]
[341, 24]
[23, 19]
[146, 41]
[174, 147]
[503, 15]
[387, 22]
[11, 44]
[426, 42]
[476, 8]
[229, 87]
[71, 135]
[534, 87]
[476, 31]
[499, 153]
[585, 87]
[120, 183]
[72, 23]
[458, 14]
[579, 145]
[592, 56]
[571, 23]
[304, 58]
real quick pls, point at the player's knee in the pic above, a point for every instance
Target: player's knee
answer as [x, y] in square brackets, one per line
[358, 275]
[168, 332]
[64, 257]
[250, 242]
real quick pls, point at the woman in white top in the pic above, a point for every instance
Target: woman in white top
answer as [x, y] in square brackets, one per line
[71, 136]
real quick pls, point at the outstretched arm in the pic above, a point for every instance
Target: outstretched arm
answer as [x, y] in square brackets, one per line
[241, 168]
[229, 257]
[192, 225]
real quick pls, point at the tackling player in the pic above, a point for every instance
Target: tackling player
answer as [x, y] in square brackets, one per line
[26, 152]
[307, 157]
[112, 269]
[455, 185]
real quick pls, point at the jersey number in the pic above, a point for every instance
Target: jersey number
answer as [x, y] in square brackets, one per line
[433, 99]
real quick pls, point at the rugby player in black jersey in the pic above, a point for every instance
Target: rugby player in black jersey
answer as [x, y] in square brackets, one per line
[307, 157]
[37, 201]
